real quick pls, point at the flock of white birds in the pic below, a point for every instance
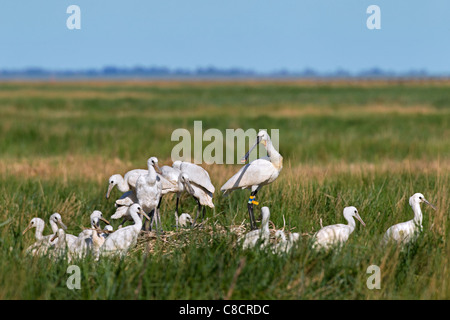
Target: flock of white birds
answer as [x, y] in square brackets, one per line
[142, 193]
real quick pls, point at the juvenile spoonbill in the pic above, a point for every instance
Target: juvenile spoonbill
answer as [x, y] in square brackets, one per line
[149, 191]
[183, 220]
[56, 223]
[337, 233]
[122, 204]
[198, 192]
[125, 183]
[121, 240]
[250, 239]
[83, 244]
[257, 173]
[61, 247]
[285, 245]
[408, 231]
[41, 245]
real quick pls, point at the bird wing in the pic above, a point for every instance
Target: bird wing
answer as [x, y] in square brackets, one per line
[198, 175]
[132, 176]
[167, 185]
[170, 173]
[255, 173]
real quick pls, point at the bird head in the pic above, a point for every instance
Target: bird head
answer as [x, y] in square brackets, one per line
[353, 212]
[56, 218]
[34, 223]
[153, 162]
[418, 198]
[112, 182]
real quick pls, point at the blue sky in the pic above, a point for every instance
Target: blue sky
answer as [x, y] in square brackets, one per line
[262, 35]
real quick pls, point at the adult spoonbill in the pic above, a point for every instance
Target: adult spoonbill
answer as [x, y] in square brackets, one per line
[257, 173]
[337, 233]
[408, 231]
[41, 245]
[250, 239]
[149, 192]
[121, 240]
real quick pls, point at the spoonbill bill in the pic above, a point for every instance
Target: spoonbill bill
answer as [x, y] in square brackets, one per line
[337, 233]
[408, 231]
[121, 240]
[257, 173]
[252, 238]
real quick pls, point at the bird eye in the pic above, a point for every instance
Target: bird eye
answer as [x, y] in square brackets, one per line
[420, 198]
[356, 211]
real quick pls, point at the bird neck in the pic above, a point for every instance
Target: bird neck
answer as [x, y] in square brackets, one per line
[275, 157]
[39, 232]
[123, 185]
[265, 226]
[151, 176]
[351, 223]
[54, 226]
[417, 214]
[137, 221]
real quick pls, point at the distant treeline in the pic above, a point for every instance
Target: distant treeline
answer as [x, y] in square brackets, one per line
[208, 72]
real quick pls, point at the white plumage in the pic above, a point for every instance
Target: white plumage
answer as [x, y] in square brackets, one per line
[149, 191]
[337, 234]
[125, 183]
[408, 231]
[123, 239]
[284, 245]
[257, 173]
[252, 238]
[195, 181]
[41, 245]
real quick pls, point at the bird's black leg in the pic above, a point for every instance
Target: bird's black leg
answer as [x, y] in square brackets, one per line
[148, 225]
[198, 212]
[159, 217]
[250, 203]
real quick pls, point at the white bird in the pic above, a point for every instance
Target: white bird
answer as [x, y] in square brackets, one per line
[196, 181]
[125, 183]
[55, 224]
[62, 246]
[252, 238]
[337, 234]
[83, 245]
[122, 204]
[149, 192]
[257, 173]
[121, 240]
[183, 220]
[408, 231]
[41, 245]
[285, 245]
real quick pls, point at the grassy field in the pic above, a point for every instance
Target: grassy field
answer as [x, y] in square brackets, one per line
[367, 144]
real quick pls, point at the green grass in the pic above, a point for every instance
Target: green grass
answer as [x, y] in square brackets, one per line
[371, 146]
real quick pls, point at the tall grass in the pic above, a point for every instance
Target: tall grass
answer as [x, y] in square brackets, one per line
[371, 147]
